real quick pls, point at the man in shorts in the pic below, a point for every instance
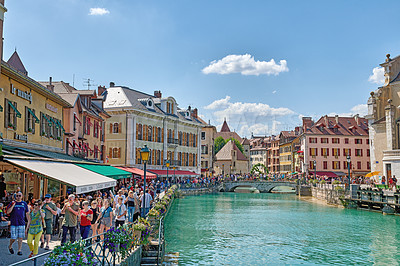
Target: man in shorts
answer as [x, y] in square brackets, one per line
[50, 211]
[18, 210]
[71, 211]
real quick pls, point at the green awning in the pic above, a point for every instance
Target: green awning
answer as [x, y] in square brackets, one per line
[48, 120]
[55, 122]
[33, 114]
[106, 170]
[59, 123]
[15, 109]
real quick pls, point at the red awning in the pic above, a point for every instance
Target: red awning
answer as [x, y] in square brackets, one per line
[172, 172]
[323, 173]
[138, 172]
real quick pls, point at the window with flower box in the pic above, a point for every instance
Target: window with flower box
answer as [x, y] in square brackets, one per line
[30, 120]
[11, 114]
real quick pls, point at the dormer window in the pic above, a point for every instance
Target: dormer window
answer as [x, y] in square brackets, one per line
[150, 103]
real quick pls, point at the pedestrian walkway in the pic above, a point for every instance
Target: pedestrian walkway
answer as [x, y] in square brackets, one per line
[7, 258]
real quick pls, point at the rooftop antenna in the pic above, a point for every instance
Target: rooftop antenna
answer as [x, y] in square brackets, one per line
[73, 80]
[88, 83]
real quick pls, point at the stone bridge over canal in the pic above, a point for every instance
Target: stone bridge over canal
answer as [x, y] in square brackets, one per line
[262, 186]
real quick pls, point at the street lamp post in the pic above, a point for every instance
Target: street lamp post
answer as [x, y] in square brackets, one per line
[315, 169]
[348, 168]
[144, 155]
[167, 165]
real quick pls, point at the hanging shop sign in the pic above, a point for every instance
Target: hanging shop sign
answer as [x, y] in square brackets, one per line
[21, 137]
[23, 94]
[51, 108]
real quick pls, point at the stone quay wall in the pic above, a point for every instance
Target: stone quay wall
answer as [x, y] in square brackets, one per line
[329, 193]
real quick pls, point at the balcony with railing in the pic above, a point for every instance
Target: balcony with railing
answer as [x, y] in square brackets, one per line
[173, 141]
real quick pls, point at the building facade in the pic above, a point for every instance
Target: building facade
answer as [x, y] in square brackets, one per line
[139, 119]
[84, 121]
[327, 143]
[273, 155]
[230, 160]
[258, 151]
[384, 121]
[286, 152]
[207, 149]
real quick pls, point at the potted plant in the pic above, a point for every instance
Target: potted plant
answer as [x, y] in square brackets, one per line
[143, 228]
[71, 254]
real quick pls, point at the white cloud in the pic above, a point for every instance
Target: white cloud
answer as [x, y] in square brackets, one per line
[98, 11]
[247, 118]
[360, 109]
[246, 65]
[377, 76]
[221, 103]
[273, 92]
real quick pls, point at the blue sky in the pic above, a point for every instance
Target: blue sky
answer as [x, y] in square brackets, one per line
[214, 55]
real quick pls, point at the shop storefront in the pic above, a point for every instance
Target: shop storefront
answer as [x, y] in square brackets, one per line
[35, 177]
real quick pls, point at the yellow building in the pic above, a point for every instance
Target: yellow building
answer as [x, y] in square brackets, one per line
[32, 115]
[31, 119]
[285, 151]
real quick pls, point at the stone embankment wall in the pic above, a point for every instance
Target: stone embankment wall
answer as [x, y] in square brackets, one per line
[330, 193]
[197, 191]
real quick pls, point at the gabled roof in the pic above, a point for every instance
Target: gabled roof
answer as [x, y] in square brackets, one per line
[225, 127]
[346, 126]
[245, 141]
[226, 152]
[16, 63]
[124, 97]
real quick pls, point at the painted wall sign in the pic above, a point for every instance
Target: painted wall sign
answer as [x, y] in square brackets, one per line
[23, 94]
[51, 108]
[21, 137]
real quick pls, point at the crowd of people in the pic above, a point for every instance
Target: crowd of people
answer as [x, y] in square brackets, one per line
[91, 214]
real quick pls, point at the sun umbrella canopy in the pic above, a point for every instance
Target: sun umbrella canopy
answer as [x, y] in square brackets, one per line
[372, 174]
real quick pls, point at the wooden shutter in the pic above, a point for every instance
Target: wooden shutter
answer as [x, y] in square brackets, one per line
[110, 153]
[119, 153]
[137, 130]
[119, 127]
[173, 134]
[162, 135]
[111, 128]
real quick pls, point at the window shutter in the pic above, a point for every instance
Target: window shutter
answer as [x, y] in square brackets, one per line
[173, 134]
[162, 135]
[119, 153]
[361, 152]
[120, 127]
[111, 128]
[110, 153]
[137, 131]
[26, 118]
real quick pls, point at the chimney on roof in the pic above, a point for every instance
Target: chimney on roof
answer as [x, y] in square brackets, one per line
[326, 120]
[307, 123]
[194, 113]
[356, 118]
[101, 90]
[157, 94]
[50, 87]
[112, 84]
[337, 119]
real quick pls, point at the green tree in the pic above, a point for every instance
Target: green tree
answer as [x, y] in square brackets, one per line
[240, 147]
[259, 169]
[218, 144]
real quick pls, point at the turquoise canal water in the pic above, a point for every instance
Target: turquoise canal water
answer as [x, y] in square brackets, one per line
[260, 229]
